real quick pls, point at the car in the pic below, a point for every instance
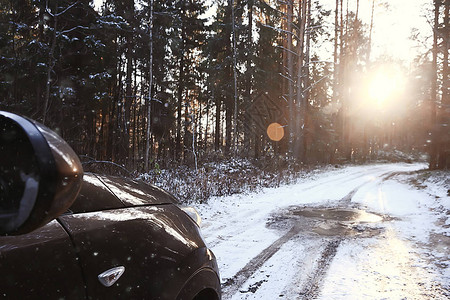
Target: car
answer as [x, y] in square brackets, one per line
[66, 234]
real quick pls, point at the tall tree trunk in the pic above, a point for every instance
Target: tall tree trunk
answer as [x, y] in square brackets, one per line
[150, 83]
[290, 76]
[235, 123]
[205, 142]
[230, 73]
[249, 69]
[217, 140]
[199, 127]
[194, 139]
[187, 118]
[180, 87]
[357, 10]
[307, 83]
[301, 107]
[179, 106]
[335, 55]
[370, 34]
[433, 96]
[50, 65]
[128, 90]
[343, 81]
[133, 128]
[129, 87]
[228, 126]
[347, 16]
[285, 83]
[336, 69]
[443, 152]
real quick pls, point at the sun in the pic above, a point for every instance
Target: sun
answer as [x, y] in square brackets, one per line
[385, 85]
[380, 88]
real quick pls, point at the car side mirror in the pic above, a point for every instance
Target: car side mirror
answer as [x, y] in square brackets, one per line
[40, 175]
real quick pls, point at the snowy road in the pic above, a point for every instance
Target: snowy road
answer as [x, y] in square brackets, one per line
[352, 233]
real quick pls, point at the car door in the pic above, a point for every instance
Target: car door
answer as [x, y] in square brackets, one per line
[40, 265]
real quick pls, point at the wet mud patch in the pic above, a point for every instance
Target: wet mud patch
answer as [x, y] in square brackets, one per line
[439, 250]
[336, 214]
[325, 221]
[254, 287]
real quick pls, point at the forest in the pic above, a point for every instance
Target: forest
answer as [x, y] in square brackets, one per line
[155, 84]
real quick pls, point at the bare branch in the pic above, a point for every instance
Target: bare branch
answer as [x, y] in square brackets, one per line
[280, 30]
[285, 77]
[315, 83]
[69, 7]
[63, 12]
[72, 29]
[320, 62]
[290, 51]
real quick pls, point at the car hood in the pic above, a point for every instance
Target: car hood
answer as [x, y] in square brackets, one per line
[136, 193]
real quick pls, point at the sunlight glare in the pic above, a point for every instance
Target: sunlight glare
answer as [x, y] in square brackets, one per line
[386, 85]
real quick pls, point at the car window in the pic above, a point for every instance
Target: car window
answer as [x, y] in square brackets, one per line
[94, 196]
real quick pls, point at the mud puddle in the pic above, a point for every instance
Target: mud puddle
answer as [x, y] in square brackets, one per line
[330, 221]
[345, 215]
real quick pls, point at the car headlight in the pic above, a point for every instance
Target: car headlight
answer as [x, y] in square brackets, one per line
[192, 212]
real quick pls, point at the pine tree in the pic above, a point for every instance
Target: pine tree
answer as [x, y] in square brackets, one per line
[189, 40]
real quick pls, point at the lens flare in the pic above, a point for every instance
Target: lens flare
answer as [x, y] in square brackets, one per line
[275, 132]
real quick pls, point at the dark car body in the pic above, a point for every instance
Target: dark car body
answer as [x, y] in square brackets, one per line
[114, 222]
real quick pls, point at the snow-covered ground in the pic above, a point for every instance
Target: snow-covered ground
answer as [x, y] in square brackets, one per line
[363, 232]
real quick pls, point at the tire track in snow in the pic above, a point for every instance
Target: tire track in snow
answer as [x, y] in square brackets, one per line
[232, 285]
[350, 177]
[385, 176]
[217, 228]
[311, 288]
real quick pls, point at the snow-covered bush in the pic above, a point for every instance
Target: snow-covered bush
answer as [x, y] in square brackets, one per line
[228, 177]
